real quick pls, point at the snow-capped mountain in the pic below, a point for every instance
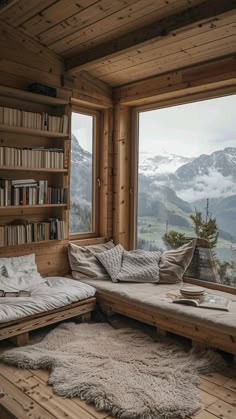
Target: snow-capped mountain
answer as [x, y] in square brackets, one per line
[150, 165]
[81, 173]
[221, 161]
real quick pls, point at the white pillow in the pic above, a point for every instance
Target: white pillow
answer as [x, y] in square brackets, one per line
[19, 265]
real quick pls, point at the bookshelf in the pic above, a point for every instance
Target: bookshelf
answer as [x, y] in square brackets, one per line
[35, 109]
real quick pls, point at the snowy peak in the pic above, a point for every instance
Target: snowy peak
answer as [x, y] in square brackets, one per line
[78, 154]
[150, 165]
[221, 161]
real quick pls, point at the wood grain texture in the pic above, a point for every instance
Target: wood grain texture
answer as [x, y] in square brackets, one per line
[158, 30]
[191, 329]
[18, 386]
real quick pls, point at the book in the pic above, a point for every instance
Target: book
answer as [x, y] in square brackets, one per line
[212, 301]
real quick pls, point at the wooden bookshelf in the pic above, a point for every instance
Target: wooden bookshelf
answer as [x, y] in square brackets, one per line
[21, 137]
[29, 131]
[31, 97]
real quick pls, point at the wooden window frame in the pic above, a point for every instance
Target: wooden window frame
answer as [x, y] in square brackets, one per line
[170, 102]
[96, 173]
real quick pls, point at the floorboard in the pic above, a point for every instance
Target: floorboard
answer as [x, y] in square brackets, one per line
[24, 393]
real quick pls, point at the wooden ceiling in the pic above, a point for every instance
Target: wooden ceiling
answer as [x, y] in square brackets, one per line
[121, 41]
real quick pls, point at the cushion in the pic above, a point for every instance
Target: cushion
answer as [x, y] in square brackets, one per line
[173, 263]
[83, 262]
[18, 265]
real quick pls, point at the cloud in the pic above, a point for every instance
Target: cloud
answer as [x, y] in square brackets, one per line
[213, 185]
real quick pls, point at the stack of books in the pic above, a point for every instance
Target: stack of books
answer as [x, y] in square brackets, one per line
[29, 192]
[33, 120]
[39, 158]
[14, 235]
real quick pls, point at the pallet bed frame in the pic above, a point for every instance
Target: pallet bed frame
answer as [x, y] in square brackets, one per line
[202, 335]
[19, 329]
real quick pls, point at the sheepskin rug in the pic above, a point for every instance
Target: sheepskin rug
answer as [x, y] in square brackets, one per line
[124, 371]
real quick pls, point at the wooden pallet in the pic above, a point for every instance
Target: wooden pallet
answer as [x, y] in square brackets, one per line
[19, 329]
[192, 329]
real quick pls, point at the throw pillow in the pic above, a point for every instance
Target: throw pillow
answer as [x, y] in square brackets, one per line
[83, 262]
[173, 263]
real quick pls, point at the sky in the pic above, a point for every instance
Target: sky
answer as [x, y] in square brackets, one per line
[191, 129]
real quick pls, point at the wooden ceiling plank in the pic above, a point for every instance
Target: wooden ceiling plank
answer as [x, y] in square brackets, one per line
[84, 18]
[195, 34]
[118, 23]
[225, 46]
[198, 75]
[164, 50]
[55, 14]
[199, 13]
[23, 10]
[174, 61]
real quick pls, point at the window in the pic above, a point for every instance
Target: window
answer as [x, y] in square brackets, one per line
[187, 179]
[83, 173]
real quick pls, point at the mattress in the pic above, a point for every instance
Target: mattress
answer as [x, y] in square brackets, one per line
[46, 294]
[155, 297]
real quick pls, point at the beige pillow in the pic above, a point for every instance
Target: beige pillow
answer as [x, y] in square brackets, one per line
[83, 262]
[173, 263]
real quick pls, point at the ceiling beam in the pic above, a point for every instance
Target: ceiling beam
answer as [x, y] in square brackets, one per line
[158, 30]
[205, 77]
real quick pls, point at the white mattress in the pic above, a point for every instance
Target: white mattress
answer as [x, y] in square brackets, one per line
[46, 294]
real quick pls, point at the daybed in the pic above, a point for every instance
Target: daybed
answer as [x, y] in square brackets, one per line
[150, 304]
[51, 300]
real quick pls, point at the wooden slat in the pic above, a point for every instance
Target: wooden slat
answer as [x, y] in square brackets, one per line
[82, 20]
[180, 59]
[184, 327]
[183, 40]
[24, 10]
[20, 405]
[129, 18]
[56, 13]
[193, 35]
[37, 322]
[158, 30]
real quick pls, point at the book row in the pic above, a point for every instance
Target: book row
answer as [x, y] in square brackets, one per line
[33, 120]
[29, 192]
[14, 235]
[38, 158]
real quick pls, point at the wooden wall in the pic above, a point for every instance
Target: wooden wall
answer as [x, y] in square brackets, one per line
[24, 61]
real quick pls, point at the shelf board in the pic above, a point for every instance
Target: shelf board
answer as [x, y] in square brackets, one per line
[32, 244]
[32, 206]
[31, 97]
[33, 169]
[29, 131]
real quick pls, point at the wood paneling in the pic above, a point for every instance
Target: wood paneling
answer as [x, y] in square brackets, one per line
[212, 75]
[121, 183]
[155, 31]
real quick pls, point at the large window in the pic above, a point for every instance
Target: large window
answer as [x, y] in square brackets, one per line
[187, 179]
[83, 173]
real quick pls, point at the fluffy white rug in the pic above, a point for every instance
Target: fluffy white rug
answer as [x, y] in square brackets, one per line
[122, 371]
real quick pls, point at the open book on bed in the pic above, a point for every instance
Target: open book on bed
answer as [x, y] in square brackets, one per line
[215, 302]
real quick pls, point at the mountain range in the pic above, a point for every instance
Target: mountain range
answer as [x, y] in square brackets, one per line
[171, 186]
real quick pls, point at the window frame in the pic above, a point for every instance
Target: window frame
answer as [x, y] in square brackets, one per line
[170, 102]
[95, 175]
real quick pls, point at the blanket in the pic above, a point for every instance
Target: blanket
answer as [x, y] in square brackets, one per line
[133, 266]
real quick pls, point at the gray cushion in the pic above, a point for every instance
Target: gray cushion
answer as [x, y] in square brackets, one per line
[173, 263]
[83, 262]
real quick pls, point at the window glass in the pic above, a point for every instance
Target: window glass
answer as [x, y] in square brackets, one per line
[81, 179]
[187, 182]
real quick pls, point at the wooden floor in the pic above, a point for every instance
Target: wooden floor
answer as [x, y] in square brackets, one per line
[25, 394]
